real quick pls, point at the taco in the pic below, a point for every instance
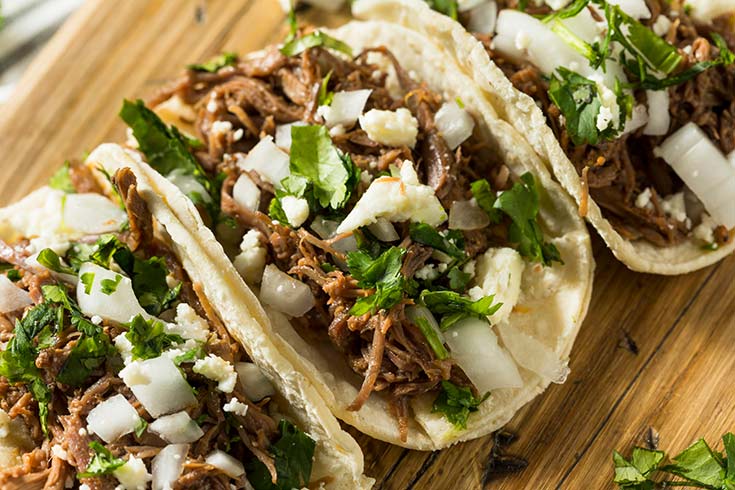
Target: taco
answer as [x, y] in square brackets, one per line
[414, 256]
[629, 102]
[124, 367]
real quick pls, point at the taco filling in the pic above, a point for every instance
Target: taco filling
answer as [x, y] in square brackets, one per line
[118, 368]
[365, 210]
[639, 95]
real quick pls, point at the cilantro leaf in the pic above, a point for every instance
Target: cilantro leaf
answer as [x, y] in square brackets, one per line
[521, 204]
[167, 151]
[450, 242]
[447, 7]
[456, 403]
[215, 64]
[102, 463]
[149, 338]
[109, 286]
[317, 164]
[325, 95]
[141, 427]
[485, 197]
[50, 260]
[577, 99]
[14, 275]
[432, 338]
[89, 353]
[458, 279]
[317, 38]
[567, 12]
[698, 463]
[276, 212]
[453, 307]
[293, 455]
[88, 280]
[382, 273]
[190, 356]
[644, 462]
[61, 180]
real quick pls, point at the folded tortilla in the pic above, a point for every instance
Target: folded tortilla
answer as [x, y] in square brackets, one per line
[338, 460]
[553, 300]
[522, 112]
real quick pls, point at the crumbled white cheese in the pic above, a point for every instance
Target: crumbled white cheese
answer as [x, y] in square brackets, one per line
[499, 272]
[469, 268]
[212, 103]
[429, 272]
[133, 475]
[237, 135]
[125, 348]
[217, 369]
[662, 25]
[82, 431]
[705, 230]
[338, 130]
[296, 210]
[84, 486]
[396, 199]
[251, 259]
[96, 319]
[59, 452]
[392, 128]
[235, 406]
[366, 177]
[221, 127]
[188, 324]
[644, 198]
[609, 115]
[523, 40]
[675, 207]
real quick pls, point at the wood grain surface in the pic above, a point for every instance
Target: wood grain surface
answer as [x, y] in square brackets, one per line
[653, 352]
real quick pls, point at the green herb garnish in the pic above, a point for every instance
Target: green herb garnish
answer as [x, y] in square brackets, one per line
[317, 38]
[149, 338]
[102, 463]
[457, 403]
[293, 455]
[216, 63]
[383, 273]
[453, 307]
[61, 180]
[432, 338]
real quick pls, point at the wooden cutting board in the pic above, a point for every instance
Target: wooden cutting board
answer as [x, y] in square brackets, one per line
[654, 352]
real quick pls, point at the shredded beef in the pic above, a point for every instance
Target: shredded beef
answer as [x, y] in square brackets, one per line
[139, 217]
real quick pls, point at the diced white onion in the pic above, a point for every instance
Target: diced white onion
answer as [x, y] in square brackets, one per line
[465, 5]
[177, 428]
[168, 465]
[91, 214]
[482, 18]
[188, 184]
[229, 465]
[246, 193]
[284, 293]
[659, 118]
[345, 108]
[384, 230]
[296, 210]
[254, 384]
[417, 312]
[454, 123]
[704, 169]
[271, 163]
[638, 119]
[635, 8]
[119, 306]
[467, 215]
[133, 475]
[323, 227]
[113, 418]
[499, 271]
[158, 385]
[283, 134]
[531, 354]
[12, 298]
[346, 245]
[474, 346]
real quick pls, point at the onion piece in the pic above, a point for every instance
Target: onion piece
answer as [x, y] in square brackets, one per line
[659, 118]
[474, 346]
[177, 428]
[638, 119]
[284, 293]
[345, 108]
[167, 466]
[465, 5]
[113, 418]
[91, 214]
[499, 271]
[704, 169]
[531, 354]
[188, 184]
[323, 227]
[12, 298]
[119, 306]
[229, 465]
[483, 18]
[254, 384]
[271, 163]
[384, 230]
[158, 385]
[454, 123]
[467, 215]
[246, 193]
[635, 8]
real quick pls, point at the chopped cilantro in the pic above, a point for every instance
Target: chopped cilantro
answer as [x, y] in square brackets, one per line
[13, 275]
[190, 356]
[216, 63]
[102, 463]
[453, 307]
[293, 455]
[382, 273]
[458, 279]
[567, 12]
[298, 45]
[456, 403]
[109, 286]
[447, 7]
[697, 466]
[88, 280]
[521, 204]
[50, 260]
[276, 212]
[432, 338]
[451, 242]
[325, 95]
[61, 180]
[140, 427]
[149, 338]
[485, 198]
